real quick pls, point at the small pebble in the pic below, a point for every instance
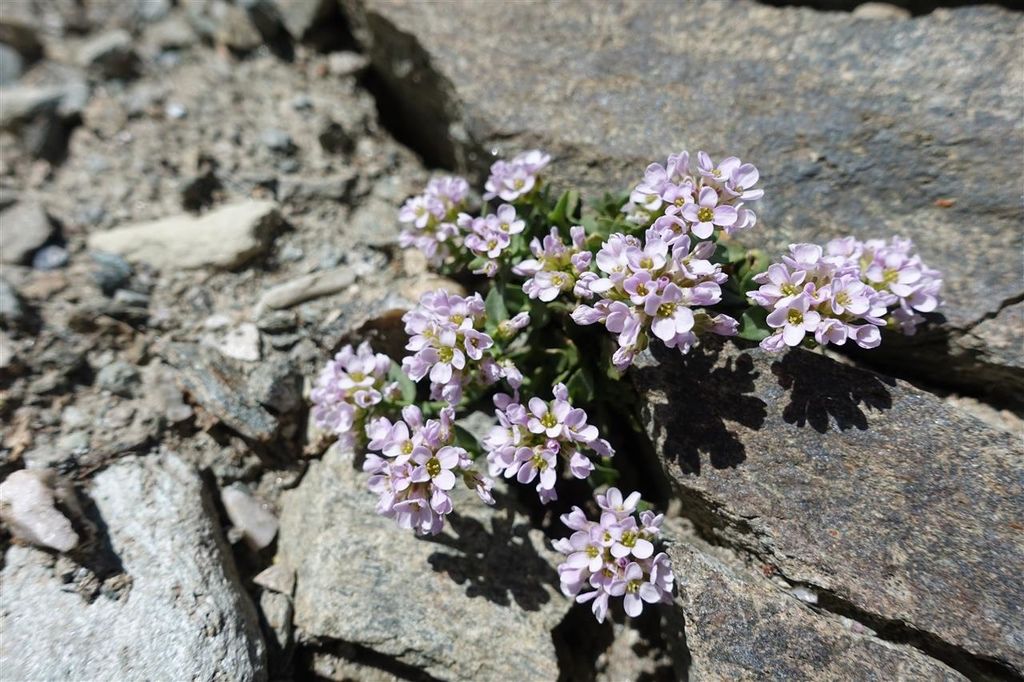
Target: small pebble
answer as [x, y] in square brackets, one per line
[277, 141]
[250, 516]
[176, 110]
[113, 271]
[290, 253]
[50, 257]
[132, 298]
[27, 506]
[119, 378]
[302, 103]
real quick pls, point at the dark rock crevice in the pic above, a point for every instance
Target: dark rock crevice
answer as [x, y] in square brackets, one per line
[350, 661]
[416, 103]
[961, 359]
[1013, 300]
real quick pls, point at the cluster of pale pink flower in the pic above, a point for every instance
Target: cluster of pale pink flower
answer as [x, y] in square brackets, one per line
[529, 440]
[656, 278]
[845, 292]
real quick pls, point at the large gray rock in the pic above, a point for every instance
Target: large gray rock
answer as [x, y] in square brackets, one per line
[741, 628]
[884, 498]
[857, 128]
[227, 237]
[444, 605]
[184, 616]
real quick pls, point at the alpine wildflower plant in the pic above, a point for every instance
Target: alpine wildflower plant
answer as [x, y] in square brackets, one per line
[570, 295]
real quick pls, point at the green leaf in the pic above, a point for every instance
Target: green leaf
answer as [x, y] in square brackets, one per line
[558, 214]
[731, 298]
[405, 384]
[467, 441]
[566, 211]
[755, 262]
[604, 474]
[753, 325]
[540, 313]
[495, 306]
[612, 373]
[581, 386]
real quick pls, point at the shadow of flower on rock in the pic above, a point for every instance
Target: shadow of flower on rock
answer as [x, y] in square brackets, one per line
[699, 399]
[821, 388]
[498, 563]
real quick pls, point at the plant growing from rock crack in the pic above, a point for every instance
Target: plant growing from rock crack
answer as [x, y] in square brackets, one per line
[661, 264]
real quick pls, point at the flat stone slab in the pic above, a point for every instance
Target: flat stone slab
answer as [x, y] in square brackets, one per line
[871, 128]
[740, 628]
[882, 497]
[226, 237]
[441, 604]
[182, 613]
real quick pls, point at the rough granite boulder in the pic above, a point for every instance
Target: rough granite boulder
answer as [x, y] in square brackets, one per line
[180, 612]
[742, 628]
[894, 507]
[903, 127]
[439, 604]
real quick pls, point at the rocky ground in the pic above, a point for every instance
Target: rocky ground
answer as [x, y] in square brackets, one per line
[198, 207]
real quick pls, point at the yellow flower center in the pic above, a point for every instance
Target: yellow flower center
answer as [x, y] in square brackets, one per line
[433, 467]
[445, 353]
[548, 420]
[795, 317]
[705, 214]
